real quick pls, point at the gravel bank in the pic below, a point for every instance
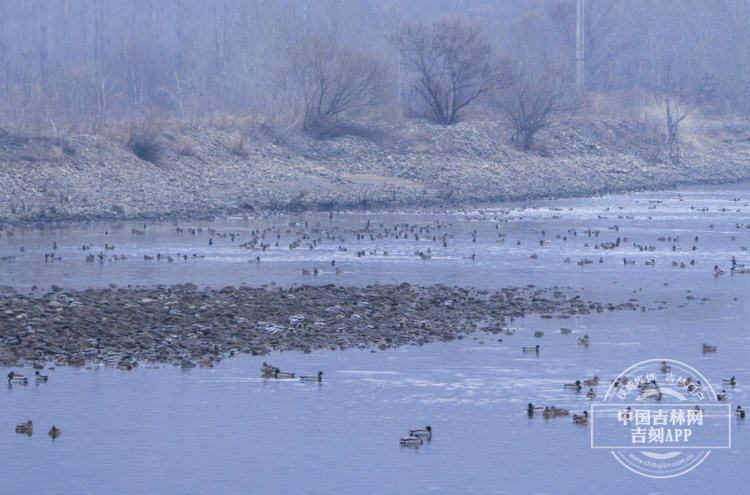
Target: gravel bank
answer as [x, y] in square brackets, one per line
[209, 172]
[183, 325]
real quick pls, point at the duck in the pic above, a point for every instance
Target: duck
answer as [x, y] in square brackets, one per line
[425, 433]
[721, 395]
[14, 378]
[54, 432]
[581, 419]
[719, 271]
[531, 349]
[695, 387]
[14, 340]
[685, 383]
[267, 369]
[318, 378]
[592, 383]
[278, 374]
[591, 394]
[730, 381]
[548, 413]
[651, 263]
[559, 412]
[626, 262]
[709, 348]
[584, 340]
[411, 441]
[27, 427]
[573, 386]
[531, 409]
[39, 377]
[698, 411]
[665, 368]
[739, 412]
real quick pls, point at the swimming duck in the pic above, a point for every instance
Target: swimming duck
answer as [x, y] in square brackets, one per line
[411, 441]
[698, 411]
[718, 270]
[282, 374]
[591, 394]
[581, 419]
[709, 348]
[573, 386]
[584, 340]
[730, 381]
[27, 427]
[559, 412]
[739, 412]
[531, 349]
[721, 395]
[651, 263]
[14, 378]
[426, 433]
[531, 409]
[592, 383]
[13, 340]
[548, 413]
[318, 378]
[665, 368]
[54, 432]
[39, 377]
[267, 369]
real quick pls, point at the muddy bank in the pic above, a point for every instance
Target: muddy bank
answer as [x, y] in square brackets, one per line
[201, 173]
[183, 325]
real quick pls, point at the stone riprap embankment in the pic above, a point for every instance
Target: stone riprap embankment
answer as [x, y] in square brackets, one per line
[189, 173]
[181, 324]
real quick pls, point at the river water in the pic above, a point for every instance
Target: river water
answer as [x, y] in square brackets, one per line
[160, 429]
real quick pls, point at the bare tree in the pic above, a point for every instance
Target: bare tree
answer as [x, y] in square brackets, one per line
[532, 99]
[336, 83]
[451, 61]
[680, 94]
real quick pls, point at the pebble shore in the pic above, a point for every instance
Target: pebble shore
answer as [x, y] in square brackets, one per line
[184, 325]
[204, 173]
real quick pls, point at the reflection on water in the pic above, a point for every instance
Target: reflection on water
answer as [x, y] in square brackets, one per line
[165, 430]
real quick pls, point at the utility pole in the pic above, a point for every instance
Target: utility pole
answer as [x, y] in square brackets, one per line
[580, 36]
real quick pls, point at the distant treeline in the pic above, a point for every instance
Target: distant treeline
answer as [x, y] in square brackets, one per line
[68, 65]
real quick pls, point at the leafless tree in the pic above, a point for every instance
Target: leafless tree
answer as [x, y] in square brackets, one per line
[533, 98]
[451, 62]
[336, 83]
[680, 94]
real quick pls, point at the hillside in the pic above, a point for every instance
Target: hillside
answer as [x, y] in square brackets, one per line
[206, 172]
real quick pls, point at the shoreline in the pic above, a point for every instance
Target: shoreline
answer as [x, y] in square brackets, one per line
[410, 165]
[184, 326]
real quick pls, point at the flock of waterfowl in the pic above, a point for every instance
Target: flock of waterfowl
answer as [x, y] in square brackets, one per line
[648, 389]
[27, 428]
[302, 234]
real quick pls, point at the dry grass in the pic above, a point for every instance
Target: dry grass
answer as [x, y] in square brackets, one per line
[141, 135]
[617, 106]
[237, 145]
[185, 146]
